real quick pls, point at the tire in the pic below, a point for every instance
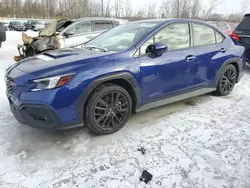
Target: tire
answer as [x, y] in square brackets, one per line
[102, 116]
[227, 80]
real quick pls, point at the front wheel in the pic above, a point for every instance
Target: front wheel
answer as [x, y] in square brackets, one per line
[108, 109]
[226, 81]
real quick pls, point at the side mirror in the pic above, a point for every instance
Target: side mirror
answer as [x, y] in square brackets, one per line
[156, 50]
[68, 33]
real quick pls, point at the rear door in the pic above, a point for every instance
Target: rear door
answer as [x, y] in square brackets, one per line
[212, 51]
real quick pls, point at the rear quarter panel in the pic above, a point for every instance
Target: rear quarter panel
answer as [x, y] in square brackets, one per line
[217, 59]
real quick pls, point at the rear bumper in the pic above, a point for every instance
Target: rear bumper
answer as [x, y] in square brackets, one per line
[39, 116]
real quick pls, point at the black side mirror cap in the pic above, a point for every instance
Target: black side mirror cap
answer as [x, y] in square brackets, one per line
[68, 33]
[156, 50]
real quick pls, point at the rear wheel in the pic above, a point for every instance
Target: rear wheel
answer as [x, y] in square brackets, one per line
[226, 81]
[108, 109]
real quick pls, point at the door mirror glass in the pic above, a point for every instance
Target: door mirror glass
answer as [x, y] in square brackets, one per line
[156, 50]
[68, 33]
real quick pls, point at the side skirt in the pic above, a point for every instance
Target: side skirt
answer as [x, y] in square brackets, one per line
[175, 99]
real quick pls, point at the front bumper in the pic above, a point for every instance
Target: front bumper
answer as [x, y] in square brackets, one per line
[39, 116]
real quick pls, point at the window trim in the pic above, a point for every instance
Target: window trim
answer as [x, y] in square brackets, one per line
[72, 25]
[138, 51]
[216, 31]
[92, 25]
[209, 26]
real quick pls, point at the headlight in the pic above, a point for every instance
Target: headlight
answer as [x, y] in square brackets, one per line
[51, 82]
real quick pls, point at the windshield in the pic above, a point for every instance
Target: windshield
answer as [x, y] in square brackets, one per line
[122, 37]
[16, 23]
[36, 22]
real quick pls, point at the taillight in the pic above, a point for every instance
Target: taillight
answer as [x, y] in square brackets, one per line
[235, 36]
[229, 32]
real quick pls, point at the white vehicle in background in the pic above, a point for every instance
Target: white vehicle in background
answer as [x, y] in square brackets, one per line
[64, 34]
[78, 31]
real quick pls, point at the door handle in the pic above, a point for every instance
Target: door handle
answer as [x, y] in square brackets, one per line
[190, 58]
[223, 50]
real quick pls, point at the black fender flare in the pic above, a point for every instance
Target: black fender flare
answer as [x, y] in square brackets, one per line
[236, 60]
[90, 88]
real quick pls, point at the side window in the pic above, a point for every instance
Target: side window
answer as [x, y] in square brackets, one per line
[223, 26]
[175, 36]
[100, 25]
[203, 35]
[80, 28]
[219, 37]
[115, 23]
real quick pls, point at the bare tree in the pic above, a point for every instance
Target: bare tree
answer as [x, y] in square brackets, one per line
[212, 5]
[117, 7]
[151, 10]
[165, 8]
[195, 7]
[127, 8]
[234, 17]
[244, 6]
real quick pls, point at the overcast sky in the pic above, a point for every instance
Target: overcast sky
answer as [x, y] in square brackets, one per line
[225, 6]
[229, 6]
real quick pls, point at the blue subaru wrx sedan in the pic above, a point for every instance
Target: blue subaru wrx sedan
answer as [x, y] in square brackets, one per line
[130, 68]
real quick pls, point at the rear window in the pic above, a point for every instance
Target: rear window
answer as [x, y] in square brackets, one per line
[223, 26]
[16, 23]
[244, 24]
[100, 25]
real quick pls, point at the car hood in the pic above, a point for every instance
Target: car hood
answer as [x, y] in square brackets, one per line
[59, 61]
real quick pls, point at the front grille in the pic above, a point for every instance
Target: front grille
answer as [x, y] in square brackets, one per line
[10, 85]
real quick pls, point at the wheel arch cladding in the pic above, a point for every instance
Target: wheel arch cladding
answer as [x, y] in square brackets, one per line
[236, 62]
[124, 79]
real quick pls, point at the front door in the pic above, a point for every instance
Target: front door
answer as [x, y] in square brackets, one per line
[175, 71]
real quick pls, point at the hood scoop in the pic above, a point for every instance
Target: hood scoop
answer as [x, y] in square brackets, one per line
[56, 54]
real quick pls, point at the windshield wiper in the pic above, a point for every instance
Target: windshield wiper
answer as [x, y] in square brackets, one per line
[95, 47]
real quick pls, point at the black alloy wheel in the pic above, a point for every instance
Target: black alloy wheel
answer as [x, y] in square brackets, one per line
[227, 80]
[108, 109]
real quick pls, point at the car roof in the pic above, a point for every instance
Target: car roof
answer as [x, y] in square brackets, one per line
[166, 20]
[99, 18]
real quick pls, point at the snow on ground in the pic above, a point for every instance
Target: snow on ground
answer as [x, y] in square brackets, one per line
[200, 143]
